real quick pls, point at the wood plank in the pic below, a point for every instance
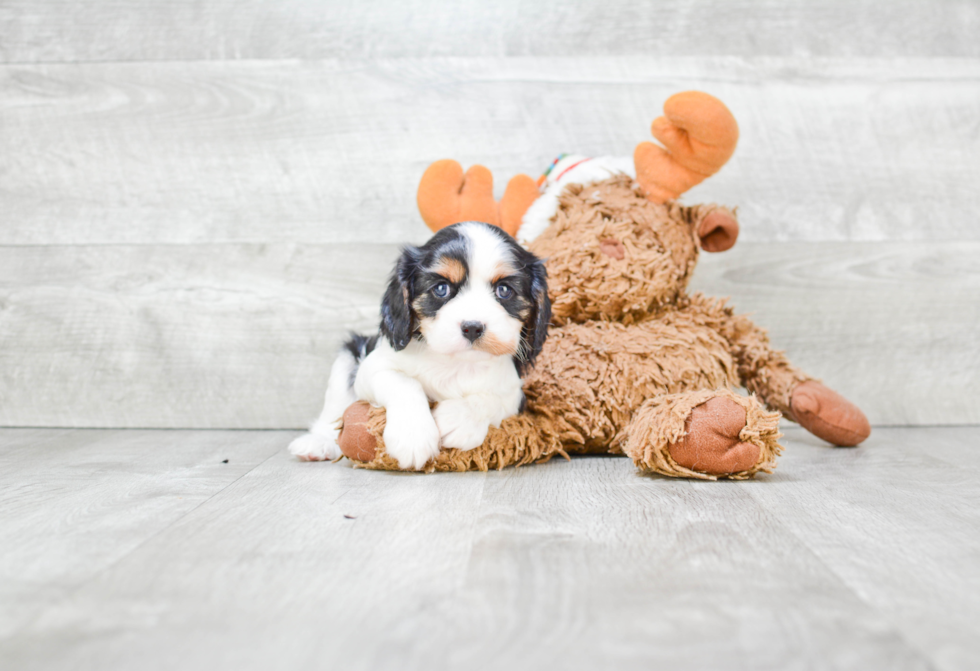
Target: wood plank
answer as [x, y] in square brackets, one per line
[569, 565]
[86, 30]
[207, 336]
[892, 326]
[587, 565]
[406, 541]
[242, 336]
[330, 151]
[76, 502]
[898, 522]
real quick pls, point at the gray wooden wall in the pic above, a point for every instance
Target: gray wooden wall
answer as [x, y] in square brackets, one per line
[199, 198]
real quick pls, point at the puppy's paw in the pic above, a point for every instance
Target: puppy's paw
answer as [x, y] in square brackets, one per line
[459, 425]
[315, 447]
[411, 438]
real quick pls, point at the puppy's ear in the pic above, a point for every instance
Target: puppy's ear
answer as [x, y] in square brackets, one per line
[536, 328]
[398, 321]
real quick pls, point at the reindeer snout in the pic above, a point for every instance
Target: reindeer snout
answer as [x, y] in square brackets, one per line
[612, 248]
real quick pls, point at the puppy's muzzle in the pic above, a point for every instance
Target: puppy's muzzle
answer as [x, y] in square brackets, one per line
[472, 330]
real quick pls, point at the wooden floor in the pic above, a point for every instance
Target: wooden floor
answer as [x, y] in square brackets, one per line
[214, 549]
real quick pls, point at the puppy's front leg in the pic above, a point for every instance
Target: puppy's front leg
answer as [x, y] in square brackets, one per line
[463, 423]
[410, 435]
[321, 442]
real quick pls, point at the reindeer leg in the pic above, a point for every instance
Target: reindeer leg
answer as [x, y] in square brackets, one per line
[703, 434]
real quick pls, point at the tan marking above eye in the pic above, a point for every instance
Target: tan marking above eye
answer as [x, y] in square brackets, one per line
[452, 269]
[501, 272]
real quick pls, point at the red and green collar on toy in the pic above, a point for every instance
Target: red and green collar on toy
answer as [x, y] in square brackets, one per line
[544, 177]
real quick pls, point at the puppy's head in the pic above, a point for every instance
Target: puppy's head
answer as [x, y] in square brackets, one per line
[471, 288]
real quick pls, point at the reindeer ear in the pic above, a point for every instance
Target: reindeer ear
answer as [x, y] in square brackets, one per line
[718, 231]
[699, 135]
[398, 321]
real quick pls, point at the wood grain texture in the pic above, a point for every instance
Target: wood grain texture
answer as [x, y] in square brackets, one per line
[75, 502]
[174, 336]
[843, 559]
[332, 151]
[242, 336]
[889, 325]
[124, 30]
[898, 524]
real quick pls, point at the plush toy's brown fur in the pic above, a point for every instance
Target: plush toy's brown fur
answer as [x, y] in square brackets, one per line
[633, 364]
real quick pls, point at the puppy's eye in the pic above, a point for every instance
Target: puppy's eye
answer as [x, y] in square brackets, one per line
[440, 290]
[503, 292]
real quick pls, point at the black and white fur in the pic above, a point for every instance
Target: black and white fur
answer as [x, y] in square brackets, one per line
[463, 318]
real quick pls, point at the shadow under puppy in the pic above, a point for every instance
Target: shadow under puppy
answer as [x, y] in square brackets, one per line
[462, 320]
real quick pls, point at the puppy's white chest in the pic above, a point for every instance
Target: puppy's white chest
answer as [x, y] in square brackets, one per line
[458, 379]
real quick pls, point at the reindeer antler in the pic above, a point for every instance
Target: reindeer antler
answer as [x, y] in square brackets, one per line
[447, 196]
[699, 135]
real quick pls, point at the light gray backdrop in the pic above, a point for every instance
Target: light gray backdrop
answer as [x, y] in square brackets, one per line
[198, 199]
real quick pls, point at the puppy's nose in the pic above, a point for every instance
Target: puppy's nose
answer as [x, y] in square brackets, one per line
[472, 330]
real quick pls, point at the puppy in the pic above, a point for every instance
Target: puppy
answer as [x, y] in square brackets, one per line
[463, 318]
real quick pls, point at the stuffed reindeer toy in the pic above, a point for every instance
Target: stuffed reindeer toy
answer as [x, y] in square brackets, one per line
[633, 364]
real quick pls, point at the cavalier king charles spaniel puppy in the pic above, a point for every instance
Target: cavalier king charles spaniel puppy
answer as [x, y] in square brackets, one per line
[463, 318]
